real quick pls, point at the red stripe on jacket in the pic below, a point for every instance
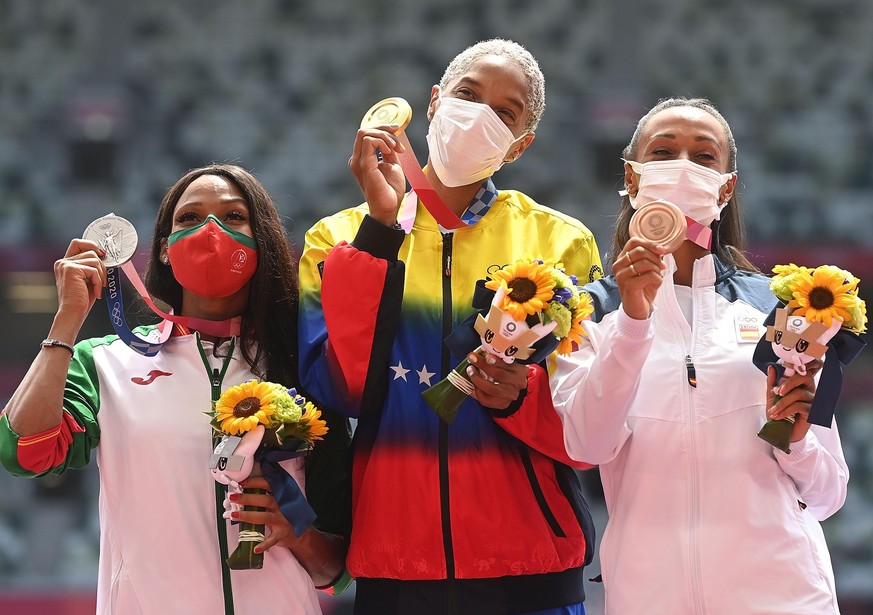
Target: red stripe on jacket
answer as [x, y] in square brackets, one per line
[43, 451]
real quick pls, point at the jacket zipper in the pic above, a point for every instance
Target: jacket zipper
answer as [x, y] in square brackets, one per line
[445, 505]
[692, 373]
[694, 532]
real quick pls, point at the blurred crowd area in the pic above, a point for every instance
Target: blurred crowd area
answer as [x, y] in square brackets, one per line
[104, 104]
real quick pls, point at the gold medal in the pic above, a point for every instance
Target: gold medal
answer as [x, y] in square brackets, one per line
[388, 111]
[661, 222]
[116, 236]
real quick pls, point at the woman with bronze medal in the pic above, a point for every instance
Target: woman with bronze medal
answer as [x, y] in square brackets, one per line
[704, 517]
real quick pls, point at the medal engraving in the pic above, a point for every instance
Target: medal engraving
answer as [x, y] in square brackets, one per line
[388, 111]
[661, 222]
[116, 236]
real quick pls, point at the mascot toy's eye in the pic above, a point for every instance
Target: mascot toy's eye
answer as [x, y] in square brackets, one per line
[511, 351]
[802, 345]
[489, 335]
[777, 337]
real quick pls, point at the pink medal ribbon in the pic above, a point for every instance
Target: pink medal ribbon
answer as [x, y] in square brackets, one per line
[118, 238]
[217, 328]
[698, 233]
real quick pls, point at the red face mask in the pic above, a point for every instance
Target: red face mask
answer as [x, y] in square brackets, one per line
[212, 260]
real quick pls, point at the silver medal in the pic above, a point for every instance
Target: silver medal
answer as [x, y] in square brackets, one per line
[116, 236]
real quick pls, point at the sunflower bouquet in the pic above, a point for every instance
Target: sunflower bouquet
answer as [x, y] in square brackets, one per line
[263, 423]
[536, 309]
[821, 313]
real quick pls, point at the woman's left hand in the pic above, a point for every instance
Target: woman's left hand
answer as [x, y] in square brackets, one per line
[797, 393]
[497, 383]
[321, 554]
[281, 533]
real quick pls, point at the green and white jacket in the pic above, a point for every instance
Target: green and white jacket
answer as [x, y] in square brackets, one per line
[146, 419]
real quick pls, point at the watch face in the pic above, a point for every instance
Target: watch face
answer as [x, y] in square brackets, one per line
[660, 222]
[116, 236]
[387, 112]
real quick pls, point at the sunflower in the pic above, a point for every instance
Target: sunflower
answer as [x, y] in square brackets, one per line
[790, 269]
[823, 294]
[312, 421]
[784, 277]
[245, 406]
[577, 332]
[309, 427]
[529, 287]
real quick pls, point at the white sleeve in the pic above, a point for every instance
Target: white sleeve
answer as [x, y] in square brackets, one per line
[818, 467]
[594, 387]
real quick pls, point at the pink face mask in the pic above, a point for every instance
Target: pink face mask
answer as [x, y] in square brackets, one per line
[691, 187]
[211, 260]
[467, 141]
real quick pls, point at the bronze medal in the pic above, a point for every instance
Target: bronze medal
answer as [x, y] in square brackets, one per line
[660, 222]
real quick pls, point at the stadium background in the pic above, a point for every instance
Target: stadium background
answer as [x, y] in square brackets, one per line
[103, 104]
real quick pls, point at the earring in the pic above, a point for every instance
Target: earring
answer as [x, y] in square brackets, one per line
[165, 259]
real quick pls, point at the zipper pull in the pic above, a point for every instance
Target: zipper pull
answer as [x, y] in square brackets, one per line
[692, 373]
[447, 254]
[216, 377]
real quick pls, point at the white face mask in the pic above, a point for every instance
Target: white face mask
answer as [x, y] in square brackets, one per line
[468, 141]
[693, 188]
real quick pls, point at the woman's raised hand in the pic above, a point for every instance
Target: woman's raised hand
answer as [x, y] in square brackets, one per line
[639, 272]
[376, 166]
[80, 277]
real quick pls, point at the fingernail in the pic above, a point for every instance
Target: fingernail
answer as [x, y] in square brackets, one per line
[257, 549]
[490, 360]
[234, 515]
[233, 497]
[472, 357]
[470, 370]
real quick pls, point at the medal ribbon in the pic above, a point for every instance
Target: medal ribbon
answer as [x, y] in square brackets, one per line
[150, 347]
[444, 216]
[698, 233]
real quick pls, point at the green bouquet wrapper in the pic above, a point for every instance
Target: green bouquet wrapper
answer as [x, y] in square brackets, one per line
[447, 395]
[251, 535]
[778, 433]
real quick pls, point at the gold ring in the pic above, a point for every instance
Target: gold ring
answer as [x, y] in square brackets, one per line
[634, 269]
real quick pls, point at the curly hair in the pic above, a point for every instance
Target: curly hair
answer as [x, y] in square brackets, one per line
[536, 94]
[269, 334]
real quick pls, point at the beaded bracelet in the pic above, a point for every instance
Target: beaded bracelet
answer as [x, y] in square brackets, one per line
[53, 342]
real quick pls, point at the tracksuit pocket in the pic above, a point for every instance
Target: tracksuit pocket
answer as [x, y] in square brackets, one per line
[537, 490]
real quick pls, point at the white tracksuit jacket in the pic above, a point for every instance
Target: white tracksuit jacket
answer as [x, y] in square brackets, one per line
[159, 547]
[704, 516]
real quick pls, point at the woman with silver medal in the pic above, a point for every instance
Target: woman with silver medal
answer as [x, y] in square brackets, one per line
[218, 255]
